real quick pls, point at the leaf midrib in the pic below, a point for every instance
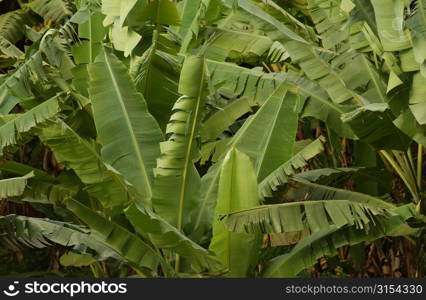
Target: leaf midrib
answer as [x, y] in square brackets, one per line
[188, 152]
[129, 126]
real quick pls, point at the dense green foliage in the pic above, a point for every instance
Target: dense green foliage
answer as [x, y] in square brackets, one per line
[203, 138]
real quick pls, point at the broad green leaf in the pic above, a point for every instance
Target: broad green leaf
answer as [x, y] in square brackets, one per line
[417, 23]
[83, 156]
[393, 82]
[224, 118]
[417, 98]
[56, 194]
[330, 21]
[166, 236]
[367, 156]
[128, 133]
[196, 14]
[54, 10]
[10, 131]
[300, 190]
[53, 46]
[409, 125]
[235, 81]
[373, 124]
[260, 147]
[156, 76]
[365, 177]
[11, 24]
[118, 9]
[318, 105]
[12, 187]
[287, 34]
[278, 143]
[93, 32]
[343, 208]
[188, 12]
[124, 39]
[281, 174]
[158, 12]
[127, 244]
[326, 242]
[41, 233]
[177, 181]
[347, 6]
[13, 90]
[240, 46]
[9, 49]
[261, 137]
[389, 19]
[22, 169]
[237, 190]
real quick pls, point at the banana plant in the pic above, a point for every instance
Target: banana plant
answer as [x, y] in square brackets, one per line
[175, 138]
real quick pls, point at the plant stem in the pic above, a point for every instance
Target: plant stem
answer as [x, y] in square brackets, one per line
[419, 166]
[94, 272]
[177, 263]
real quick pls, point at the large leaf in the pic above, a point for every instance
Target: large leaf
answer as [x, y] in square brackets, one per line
[373, 124]
[276, 144]
[92, 32]
[389, 19]
[38, 191]
[166, 236]
[240, 46]
[326, 242]
[14, 186]
[281, 174]
[309, 216]
[195, 14]
[30, 79]
[127, 244]
[9, 49]
[156, 12]
[408, 124]
[189, 9]
[10, 131]
[235, 81]
[247, 140]
[223, 118]
[118, 9]
[83, 156]
[11, 24]
[287, 34]
[237, 190]
[361, 175]
[129, 135]
[22, 169]
[330, 21]
[54, 46]
[251, 139]
[156, 75]
[261, 138]
[13, 89]
[417, 23]
[177, 180]
[417, 100]
[41, 233]
[54, 10]
[318, 104]
[124, 39]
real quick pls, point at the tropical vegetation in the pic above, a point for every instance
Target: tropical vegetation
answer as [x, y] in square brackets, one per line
[214, 138]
